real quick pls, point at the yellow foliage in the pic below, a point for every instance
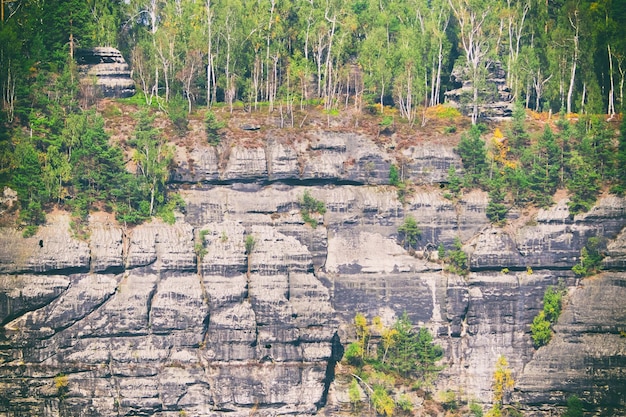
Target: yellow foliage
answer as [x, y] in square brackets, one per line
[502, 380]
[441, 111]
[377, 322]
[497, 134]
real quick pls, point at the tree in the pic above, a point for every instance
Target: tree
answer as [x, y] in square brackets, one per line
[574, 407]
[457, 258]
[153, 158]
[496, 209]
[308, 206]
[362, 332]
[541, 330]
[410, 232]
[544, 165]
[413, 352]
[502, 385]
[590, 257]
[620, 163]
[473, 19]
[472, 151]
[212, 127]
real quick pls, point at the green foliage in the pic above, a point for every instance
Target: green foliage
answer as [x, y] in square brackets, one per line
[354, 354]
[583, 185]
[308, 206]
[541, 330]
[553, 302]
[405, 404]
[475, 409]
[541, 327]
[177, 112]
[250, 243]
[413, 352]
[441, 252]
[200, 250]
[472, 151]
[544, 162]
[496, 209]
[591, 256]
[410, 232]
[457, 259]
[354, 394]
[382, 401]
[575, 407]
[166, 211]
[212, 127]
[454, 181]
[620, 181]
[394, 175]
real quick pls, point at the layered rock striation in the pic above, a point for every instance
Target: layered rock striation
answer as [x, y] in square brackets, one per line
[167, 320]
[107, 70]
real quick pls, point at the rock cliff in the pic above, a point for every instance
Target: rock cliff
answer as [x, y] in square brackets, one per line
[181, 319]
[107, 70]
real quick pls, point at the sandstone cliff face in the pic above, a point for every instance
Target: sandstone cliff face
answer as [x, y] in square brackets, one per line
[164, 319]
[107, 70]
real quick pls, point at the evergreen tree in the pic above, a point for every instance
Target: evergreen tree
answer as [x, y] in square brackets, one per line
[472, 151]
[544, 168]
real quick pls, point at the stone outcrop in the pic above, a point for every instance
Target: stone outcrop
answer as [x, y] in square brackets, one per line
[338, 158]
[496, 99]
[106, 68]
[167, 320]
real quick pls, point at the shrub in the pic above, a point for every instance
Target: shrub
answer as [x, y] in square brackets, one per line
[574, 407]
[61, 383]
[250, 244]
[541, 327]
[308, 205]
[354, 354]
[457, 259]
[590, 258]
[382, 402]
[476, 409]
[540, 330]
[354, 393]
[394, 175]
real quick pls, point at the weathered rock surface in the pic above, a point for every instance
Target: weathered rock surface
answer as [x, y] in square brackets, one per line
[495, 96]
[164, 319]
[107, 69]
[587, 354]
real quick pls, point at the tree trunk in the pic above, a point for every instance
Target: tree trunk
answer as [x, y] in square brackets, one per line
[611, 103]
[570, 91]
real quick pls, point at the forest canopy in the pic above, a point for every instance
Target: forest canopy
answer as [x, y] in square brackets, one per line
[558, 56]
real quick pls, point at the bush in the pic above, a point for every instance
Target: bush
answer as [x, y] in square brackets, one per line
[540, 330]
[457, 259]
[394, 175]
[354, 354]
[309, 205]
[574, 407]
[476, 409]
[541, 327]
[590, 258]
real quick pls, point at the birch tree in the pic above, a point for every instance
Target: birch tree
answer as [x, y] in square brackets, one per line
[471, 16]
